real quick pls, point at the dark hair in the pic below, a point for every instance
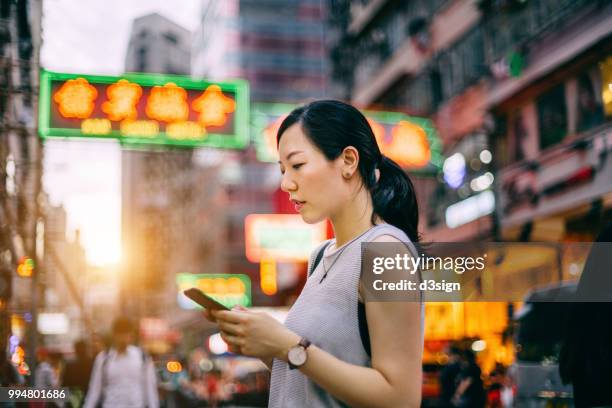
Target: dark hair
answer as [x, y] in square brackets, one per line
[454, 350]
[123, 325]
[332, 126]
[80, 348]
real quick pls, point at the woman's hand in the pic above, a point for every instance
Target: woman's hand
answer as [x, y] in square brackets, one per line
[208, 316]
[254, 334]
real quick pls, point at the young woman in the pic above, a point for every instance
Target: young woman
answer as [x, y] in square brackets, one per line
[335, 350]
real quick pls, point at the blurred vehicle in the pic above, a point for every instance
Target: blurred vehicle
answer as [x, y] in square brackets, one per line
[541, 322]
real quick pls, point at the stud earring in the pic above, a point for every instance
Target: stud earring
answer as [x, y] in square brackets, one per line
[347, 175]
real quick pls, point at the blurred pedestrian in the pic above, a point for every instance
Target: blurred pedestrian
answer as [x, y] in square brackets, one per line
[45, 375]
[77, 373]
[470, 388]
[501, 392]
[336, 349]
[212, 388]
[585, 360]
[124, 375]
[449, 376]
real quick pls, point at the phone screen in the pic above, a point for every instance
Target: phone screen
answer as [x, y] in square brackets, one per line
[204, 300]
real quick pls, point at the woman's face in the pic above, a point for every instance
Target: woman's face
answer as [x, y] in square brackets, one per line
[314, 184]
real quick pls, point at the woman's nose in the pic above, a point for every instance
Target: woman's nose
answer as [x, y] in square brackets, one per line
[287, 184]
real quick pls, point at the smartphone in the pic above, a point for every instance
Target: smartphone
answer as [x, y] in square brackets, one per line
[203, 300]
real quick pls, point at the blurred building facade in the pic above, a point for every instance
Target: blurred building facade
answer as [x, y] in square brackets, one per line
[20, 165]
[518, 92]
[171, 201]
[520, 95]
[278, 46]
[64, 280]
[158, 45]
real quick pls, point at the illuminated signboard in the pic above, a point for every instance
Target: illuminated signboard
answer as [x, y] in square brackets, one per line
[410, 141]
[281, 237]
[228, 289]
[145, 109]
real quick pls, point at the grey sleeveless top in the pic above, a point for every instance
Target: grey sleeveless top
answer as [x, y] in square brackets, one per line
[326, 314]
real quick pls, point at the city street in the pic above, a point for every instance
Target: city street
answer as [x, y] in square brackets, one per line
[442, 167]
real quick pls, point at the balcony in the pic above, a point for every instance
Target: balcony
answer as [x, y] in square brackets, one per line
[446, 27]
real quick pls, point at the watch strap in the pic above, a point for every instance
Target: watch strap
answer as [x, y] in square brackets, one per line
[304, 343]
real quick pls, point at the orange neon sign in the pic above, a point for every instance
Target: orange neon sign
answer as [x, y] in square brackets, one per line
[174, 367]
[145, 109]
[267, 277]
[168, 103]
[213, 107]
[122, 99]
[76, 98]
[378, 130]
[270, 134]
[409, 146]
[411, 142]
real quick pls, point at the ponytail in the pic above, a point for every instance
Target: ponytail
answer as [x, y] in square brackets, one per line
[394, 198]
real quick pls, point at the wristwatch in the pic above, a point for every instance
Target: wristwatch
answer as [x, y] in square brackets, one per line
[297, 355]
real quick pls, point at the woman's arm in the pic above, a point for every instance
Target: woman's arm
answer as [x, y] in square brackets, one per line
[395, 379]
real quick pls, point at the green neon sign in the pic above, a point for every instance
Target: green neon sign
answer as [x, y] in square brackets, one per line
[228, 289]
[411, 141]
[145, 109]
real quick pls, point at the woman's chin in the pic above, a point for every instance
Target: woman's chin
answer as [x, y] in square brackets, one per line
[311, 218]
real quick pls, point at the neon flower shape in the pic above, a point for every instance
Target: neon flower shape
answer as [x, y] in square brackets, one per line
[76, 98]
[168, 103]
[379, 132]
[213, 107]
[122, 99]
[409, 146]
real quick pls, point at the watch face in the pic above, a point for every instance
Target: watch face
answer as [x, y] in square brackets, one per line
[297, 356]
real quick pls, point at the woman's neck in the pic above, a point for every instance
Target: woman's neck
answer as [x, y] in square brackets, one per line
[354, 219]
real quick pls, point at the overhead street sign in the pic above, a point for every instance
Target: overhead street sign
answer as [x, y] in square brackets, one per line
[145, 109]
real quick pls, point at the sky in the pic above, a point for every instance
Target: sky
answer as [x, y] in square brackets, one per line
[91, 36]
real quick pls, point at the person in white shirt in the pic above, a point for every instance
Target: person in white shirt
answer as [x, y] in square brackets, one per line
[44, 376]
[123, 376]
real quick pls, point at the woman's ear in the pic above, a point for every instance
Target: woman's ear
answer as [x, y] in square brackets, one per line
[350, 161]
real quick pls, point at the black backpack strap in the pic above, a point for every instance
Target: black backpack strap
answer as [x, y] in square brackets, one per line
[103, 379]
[318, 258]
[143, 355]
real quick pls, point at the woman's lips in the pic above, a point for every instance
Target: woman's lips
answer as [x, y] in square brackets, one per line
[298, 205]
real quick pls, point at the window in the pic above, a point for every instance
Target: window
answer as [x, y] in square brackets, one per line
[605, 68]
[436, 88]
[519, 133]
[590, 108]
[552, 116]
[171, 38]
[141, 59]
[500, 141]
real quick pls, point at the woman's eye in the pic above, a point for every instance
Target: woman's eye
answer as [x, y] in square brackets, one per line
[297, 166]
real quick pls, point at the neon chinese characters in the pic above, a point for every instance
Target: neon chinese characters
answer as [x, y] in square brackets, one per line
[76, 98]
[145, 109]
